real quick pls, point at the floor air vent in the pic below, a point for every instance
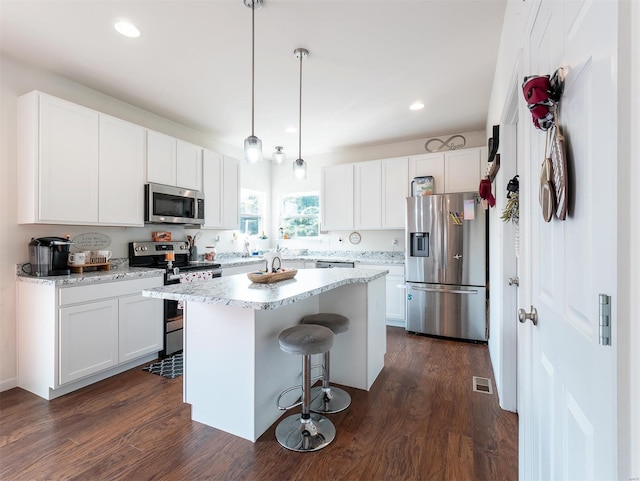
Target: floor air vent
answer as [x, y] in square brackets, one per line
[482, 384]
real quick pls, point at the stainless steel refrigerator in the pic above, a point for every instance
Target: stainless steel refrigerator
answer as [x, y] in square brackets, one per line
[446, 266]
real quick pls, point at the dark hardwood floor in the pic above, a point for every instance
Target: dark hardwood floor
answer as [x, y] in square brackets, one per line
[420, 421]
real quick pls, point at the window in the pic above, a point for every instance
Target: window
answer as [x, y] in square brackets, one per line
[252, 204]
[300, 214]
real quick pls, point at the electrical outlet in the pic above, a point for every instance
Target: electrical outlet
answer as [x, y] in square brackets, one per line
[394, 241]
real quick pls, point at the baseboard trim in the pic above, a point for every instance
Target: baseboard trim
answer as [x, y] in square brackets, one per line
[7, 384]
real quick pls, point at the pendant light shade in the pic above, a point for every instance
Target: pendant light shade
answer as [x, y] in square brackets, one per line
[252, 144]
[278, 155]
[299, 165]
[300, 169]
[252, 149]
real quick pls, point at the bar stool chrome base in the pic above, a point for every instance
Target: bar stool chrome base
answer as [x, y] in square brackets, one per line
[329, 401]
[302, 435]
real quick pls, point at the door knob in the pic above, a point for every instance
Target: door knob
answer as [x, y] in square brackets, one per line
[524, 315]
[513, 281]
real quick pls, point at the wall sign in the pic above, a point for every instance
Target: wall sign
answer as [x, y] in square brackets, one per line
[452, 143]
[91, 240]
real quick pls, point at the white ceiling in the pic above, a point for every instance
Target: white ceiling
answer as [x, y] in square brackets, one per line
[368, 61]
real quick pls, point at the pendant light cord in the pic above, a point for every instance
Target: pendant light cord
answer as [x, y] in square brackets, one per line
[253, 55]
[300, 113]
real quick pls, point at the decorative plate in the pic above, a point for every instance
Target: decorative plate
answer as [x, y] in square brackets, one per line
[354, 238]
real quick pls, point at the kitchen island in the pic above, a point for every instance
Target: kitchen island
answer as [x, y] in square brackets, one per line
[234, 368]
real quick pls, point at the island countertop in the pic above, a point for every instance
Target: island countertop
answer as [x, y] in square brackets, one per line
[239, 291]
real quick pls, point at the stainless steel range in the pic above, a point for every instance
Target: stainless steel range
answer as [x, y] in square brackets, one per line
[174, 258]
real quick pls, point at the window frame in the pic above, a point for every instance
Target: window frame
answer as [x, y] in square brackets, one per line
[313, 193]
[259, 216]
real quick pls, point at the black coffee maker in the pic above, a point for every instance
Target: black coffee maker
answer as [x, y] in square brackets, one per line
[49, 256]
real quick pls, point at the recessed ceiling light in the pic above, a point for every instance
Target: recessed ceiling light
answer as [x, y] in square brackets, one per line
[291, 130]
[127, 29]
[416, 106]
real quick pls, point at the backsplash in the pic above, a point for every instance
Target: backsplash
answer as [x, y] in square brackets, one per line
[315, 254]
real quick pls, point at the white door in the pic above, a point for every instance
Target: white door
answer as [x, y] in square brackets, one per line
[569, 417]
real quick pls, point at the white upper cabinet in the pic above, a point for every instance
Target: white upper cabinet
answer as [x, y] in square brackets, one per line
[428, 164]
[365, 195]
[452, 171]
[221, 187]
[367, 198]
[57, 161]
[395, 188]
[188, 166]
[462, 170]
[161, 158]
[336, 197]
[76, 165]
[121, 172]
[174, 162]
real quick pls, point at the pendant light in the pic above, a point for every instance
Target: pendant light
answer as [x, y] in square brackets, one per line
[278, 155]
[299, 165]
[252, 144]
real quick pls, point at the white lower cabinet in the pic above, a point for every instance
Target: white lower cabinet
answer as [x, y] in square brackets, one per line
[72, 336]
[395, 294]
[88, 339]
[242, 269]
[138, 327]
[292, 264]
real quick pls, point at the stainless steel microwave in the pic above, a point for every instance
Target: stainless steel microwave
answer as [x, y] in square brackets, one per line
[164, 204]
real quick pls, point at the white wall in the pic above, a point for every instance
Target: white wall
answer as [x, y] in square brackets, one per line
[634, 285]
[502, 333]
[628, 328]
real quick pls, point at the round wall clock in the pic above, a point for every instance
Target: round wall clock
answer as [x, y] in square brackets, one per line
[354, 238]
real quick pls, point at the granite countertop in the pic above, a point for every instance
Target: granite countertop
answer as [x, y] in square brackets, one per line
[239, 291]
[358, 257]
[119, 271]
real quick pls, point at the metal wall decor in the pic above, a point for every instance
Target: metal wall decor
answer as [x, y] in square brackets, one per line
[450, 143]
